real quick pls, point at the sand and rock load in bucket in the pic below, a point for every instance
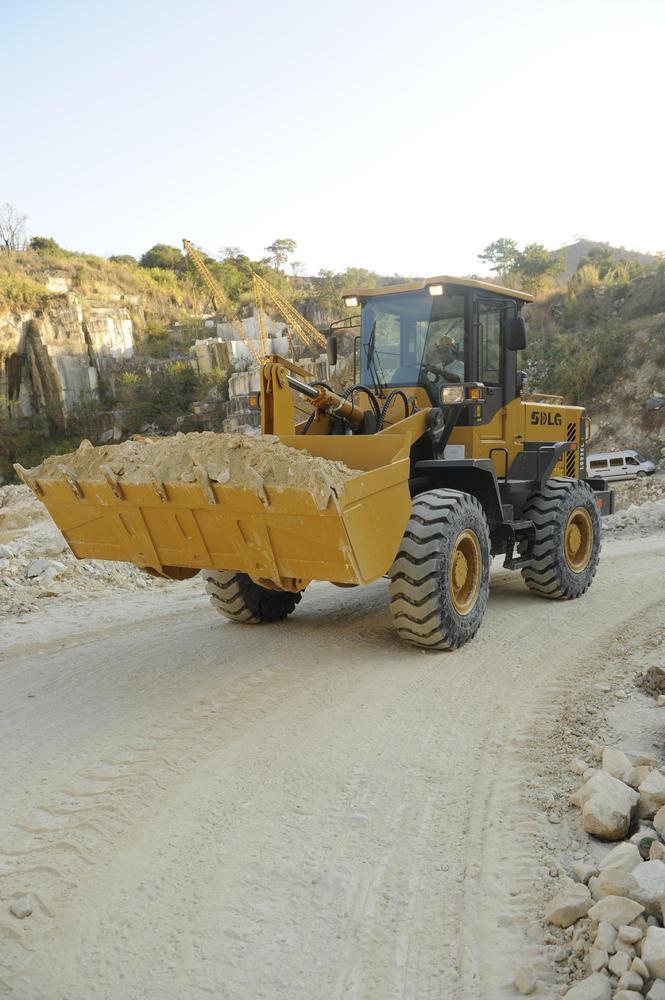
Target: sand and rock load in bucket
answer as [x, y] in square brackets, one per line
[243, 462]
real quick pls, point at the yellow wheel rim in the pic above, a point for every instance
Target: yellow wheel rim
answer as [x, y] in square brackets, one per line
[466, 567]
[578, 539]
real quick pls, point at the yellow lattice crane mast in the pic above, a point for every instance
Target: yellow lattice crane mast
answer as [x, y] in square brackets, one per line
[221, 303]
[260, 316]
[300, 326]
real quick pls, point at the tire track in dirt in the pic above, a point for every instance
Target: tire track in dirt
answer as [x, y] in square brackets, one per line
[46, 855]
[349, 822]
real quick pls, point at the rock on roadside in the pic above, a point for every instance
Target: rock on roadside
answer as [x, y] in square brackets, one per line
[594, 987]
[571, 903]
[608, 806]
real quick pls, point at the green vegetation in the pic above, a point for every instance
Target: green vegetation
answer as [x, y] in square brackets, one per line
[538, 270]
[20, 290]
[328, 287]
[532, 269]
[576, 362]
[582, 337]
[168, 286]
[29, 440]
[581, 326]
[123, 258]
[164, 397]
[600, 267]
[280, 251]
[47, 245]
[161, 399]
[164, 257]
[24, 276]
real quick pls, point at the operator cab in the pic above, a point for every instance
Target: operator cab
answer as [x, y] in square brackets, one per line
[442, 332]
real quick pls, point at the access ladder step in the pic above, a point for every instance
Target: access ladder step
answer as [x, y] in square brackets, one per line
[523, 533]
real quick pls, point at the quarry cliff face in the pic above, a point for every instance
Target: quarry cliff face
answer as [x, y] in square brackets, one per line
[55, 356]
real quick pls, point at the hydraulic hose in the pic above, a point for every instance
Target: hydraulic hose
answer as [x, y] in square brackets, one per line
[386, 406]
[372, 398]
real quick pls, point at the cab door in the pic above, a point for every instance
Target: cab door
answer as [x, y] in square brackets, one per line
[496, 370]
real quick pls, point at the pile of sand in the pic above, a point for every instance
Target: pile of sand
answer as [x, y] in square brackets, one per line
[238, 460]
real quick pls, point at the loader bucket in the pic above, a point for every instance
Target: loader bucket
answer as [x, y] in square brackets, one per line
[284, 510]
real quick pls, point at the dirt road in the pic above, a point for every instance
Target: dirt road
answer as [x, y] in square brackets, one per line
[198, 809]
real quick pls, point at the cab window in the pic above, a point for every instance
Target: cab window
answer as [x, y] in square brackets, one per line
[410, 338]
[443, 357]
[490, 326]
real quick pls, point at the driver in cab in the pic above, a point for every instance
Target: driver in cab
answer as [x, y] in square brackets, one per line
[447, 358]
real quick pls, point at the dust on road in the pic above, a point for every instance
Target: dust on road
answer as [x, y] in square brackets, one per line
[196, 808]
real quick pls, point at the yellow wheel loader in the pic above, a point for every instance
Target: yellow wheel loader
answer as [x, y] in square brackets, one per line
[423, 470]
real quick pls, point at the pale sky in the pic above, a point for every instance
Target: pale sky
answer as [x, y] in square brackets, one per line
[401, 137]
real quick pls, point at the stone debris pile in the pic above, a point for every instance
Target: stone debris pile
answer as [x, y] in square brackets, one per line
[636, 520]
[608, 918]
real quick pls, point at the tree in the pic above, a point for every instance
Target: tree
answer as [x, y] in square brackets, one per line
[501, 256]
[535, 264]
[123, 258]
[230, 252]
[12, 228]
[603, 258]
[165, 257]
[608, 266]
[279, 252]
[528, 268]
[45, 244]
[330, 285]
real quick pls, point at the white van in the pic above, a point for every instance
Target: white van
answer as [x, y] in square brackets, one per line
[619, 465]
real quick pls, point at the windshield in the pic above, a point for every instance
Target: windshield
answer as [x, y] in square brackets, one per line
[413, 338]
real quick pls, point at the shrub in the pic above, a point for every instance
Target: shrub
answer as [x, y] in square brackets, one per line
[46, 245]
[164, 397]
[164, 257]
[124, 258]
[28, 441]
[19, 290]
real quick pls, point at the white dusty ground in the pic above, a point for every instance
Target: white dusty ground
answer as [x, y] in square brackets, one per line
[197, 809]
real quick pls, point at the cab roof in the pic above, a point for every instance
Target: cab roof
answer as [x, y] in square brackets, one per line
[441, 279]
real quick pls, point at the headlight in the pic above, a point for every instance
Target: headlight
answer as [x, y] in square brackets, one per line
[435, 289]
[452, 394]
[350, 301]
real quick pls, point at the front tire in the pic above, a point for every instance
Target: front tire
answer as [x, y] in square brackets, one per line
[440, 578]
[238, 598]
[567, 543]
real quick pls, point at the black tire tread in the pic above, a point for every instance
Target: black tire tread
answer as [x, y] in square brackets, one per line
[238, 598]
[416, 574]
[549, 509]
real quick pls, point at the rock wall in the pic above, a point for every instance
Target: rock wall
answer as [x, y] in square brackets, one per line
[53, 358]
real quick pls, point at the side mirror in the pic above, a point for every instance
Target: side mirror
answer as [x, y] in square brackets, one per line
[515, 333]
[332, 349]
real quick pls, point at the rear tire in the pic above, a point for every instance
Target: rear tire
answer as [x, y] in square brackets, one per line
[440, 577]
[567, 544]
[238, 598]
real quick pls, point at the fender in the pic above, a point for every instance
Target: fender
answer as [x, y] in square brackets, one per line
[474, 476]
